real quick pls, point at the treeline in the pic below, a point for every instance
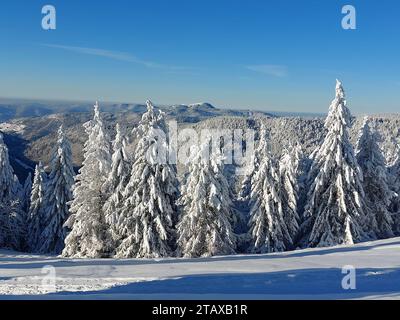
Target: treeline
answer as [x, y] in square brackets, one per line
[125, 204]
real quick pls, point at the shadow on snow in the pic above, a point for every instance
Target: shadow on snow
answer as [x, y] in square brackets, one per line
[64, 262]
[283, 283]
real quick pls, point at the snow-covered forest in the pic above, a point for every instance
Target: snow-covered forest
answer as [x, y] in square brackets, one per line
[125, 203]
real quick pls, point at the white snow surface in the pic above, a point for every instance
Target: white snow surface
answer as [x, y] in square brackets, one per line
[12, 127]
[302, 274]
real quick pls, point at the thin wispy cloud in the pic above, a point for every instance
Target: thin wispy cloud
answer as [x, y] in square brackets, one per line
[115, 55]
[270, 69]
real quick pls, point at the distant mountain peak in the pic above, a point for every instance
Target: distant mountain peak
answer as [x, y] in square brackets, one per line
[202, 105]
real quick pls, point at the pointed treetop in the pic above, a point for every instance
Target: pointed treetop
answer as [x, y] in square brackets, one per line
[150, 114]
[96, 109]
[339, 90]
[263, 132]
[152, 118]
[263, 142]
[61, 130]
[365, 121]
[119, 138]
[118, 129]
[61, 135]
[39, 166]
[338, 111]
[149, 105]
[365, 129]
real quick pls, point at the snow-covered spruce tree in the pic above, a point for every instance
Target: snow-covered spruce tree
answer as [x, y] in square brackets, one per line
[9, 184]
[268, 231]
[245, 187]
[378, 223]
[205, 226]
[89, 231]
[57, 197]
[26, 193]
[12, 217]
[335, 207]
[243, 202]
[12, 227]
[291, 174]
[146, 221]
[252, 166]
[394, 178]
[36, 208]
[116, 182]
[5, 231]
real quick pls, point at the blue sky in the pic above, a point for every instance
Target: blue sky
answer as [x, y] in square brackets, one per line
[266, 55]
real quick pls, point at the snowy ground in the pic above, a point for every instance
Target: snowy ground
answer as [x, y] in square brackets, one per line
[305, 274]
[12, 127]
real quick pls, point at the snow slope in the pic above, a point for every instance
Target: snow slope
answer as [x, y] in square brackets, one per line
[303, 274]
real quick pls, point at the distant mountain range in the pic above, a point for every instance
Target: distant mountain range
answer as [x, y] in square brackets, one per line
[30, 127]
[19, 108]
